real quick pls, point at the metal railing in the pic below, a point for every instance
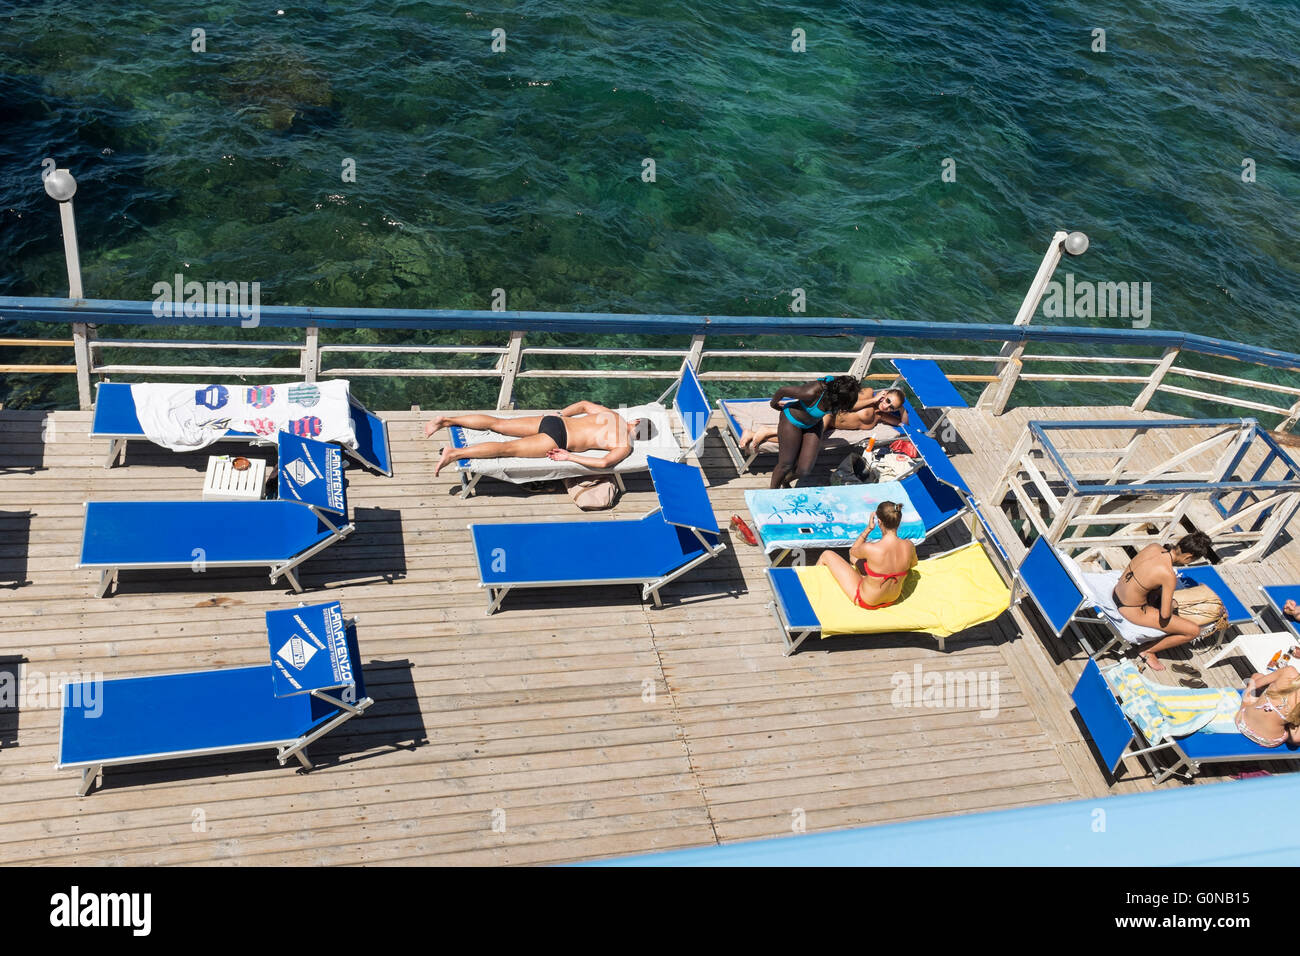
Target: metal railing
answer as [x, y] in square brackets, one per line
[1006, 349]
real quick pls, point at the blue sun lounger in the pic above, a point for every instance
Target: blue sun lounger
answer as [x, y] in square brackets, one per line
[1067, 595]
[1112, 732]
[309, 516]
[931, 388]
[651, 551]
[313, 684]
[115, 420]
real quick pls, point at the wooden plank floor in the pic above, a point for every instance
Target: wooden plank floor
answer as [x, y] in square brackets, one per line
[571, 725]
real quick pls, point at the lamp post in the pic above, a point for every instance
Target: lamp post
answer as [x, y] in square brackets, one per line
[61, 187]
[995, 394]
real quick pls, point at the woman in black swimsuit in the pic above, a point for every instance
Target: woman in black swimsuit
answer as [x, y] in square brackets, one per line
[1144, 593]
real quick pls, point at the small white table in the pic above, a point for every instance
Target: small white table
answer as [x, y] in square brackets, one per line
[1258, 649]
[223, 483]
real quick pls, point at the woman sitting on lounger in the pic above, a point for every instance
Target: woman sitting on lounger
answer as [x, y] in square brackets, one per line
[582, 427]
[875, 578]
[871, 409]
[1144, 593]
[799, 429]
[1272, 718]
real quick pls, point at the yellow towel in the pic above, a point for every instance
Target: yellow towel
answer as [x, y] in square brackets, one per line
[941, 596]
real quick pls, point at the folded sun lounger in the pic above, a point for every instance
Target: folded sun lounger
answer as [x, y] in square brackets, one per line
[652, 551]
[313, 684]
[689, 404]
[309, 516]
[942, 596]
[1112, 732]
[115, 419]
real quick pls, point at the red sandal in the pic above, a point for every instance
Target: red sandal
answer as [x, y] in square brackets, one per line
[738, 523]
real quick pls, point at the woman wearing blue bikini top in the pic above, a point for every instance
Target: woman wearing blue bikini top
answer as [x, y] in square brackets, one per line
[799, 431]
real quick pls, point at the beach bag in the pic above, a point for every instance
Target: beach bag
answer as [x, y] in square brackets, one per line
[592, 494]
[1200, 605]
[851, 471]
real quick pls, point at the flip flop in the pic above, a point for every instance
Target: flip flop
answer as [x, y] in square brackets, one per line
[1195, 682]
[1186, 669]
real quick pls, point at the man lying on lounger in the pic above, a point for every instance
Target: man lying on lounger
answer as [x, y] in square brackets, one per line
[582, 427]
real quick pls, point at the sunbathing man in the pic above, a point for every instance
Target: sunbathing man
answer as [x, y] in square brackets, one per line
[876, 577]
[1144, 593]
[582, 427]
[871, 409]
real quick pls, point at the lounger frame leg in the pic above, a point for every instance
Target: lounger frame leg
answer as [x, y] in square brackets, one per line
[467, 482]
[107, 580]
[89, 777]
[651, 589]
[116, 450]
[299, 746]
[791, 642]
[495, 597]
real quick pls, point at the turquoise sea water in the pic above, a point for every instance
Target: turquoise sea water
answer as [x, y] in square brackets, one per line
[775, 169]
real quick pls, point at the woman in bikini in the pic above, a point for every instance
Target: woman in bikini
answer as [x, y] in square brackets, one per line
[1144, 593]
[1272, 718]
[871, 409]
[582, 427]
[799, 429]
[875, 578]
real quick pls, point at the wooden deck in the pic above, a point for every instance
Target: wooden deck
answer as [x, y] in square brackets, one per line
[573, 724]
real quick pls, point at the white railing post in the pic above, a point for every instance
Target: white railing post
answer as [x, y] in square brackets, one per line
[1157, 377]
[81, 336]
[696, 350]
[310, 363]
[996, 394]
[508, 366]
[1291, 418]
[863, 361]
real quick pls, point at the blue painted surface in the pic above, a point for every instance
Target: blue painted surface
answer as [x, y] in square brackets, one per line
[1051, 586]
[115, 413]
[692, 405]
[591, 550]
[798, 612]
[935, 502]
[683, 497]
[936, 458]
[168, 532]
[1109, 729]
[928, 382]
[1114, 831]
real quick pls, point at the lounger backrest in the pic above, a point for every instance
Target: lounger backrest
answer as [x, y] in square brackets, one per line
[936, 458]
[691, 406]
[371, 432]
[929, 383]
[312, 472]
[1050, 585]
[1110, 730]
[683, 498]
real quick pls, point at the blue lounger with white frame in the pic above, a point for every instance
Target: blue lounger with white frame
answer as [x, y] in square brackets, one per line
[1065, 594]
[651, 551]
[931, 388]
[309, 516]
[145, 719]
[115, 419]
[1112, 732]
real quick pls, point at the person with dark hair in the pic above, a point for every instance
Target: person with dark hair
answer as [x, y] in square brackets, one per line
[875, 577]
[1144, 593]
[799, 430]
[871, 409]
